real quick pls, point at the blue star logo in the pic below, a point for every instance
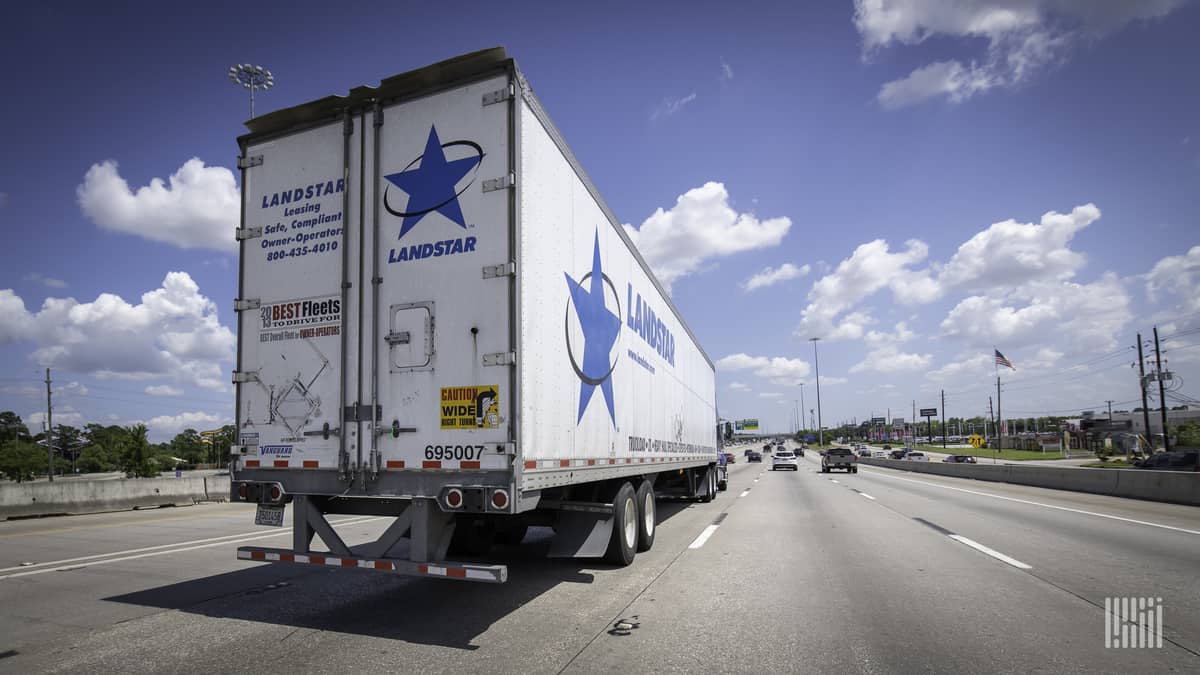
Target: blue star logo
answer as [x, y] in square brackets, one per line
[600, 329]
[432, 186]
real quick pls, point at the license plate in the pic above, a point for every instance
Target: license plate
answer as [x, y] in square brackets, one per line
[269, 515]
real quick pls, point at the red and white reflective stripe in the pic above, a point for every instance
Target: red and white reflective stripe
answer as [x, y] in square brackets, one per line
[538, 464]
[454, 572]
[283, 464]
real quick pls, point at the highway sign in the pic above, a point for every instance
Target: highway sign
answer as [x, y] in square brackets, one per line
[750, 425]
[928, 412]
[878, 420]
[976, 441]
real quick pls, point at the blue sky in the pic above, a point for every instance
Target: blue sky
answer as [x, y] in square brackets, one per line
[872, 147]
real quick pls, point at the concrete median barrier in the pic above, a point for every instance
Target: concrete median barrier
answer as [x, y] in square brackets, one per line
[94, 496]
[1175, 487]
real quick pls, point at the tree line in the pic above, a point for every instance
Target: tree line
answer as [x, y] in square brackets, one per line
[97, 448]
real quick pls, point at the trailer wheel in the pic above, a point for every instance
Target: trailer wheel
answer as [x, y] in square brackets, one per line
[623, 544]
[647, 516]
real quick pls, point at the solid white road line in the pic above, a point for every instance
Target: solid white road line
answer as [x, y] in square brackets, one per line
[66, 565]
[744, 493]
[832, 480]
[708, 532]
[995, 554]
[867, 496]
[1033, 503]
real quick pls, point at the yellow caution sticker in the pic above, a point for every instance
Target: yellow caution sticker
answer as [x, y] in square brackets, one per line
[472, 407]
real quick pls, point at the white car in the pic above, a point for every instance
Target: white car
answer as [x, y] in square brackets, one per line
[880, 454]
[785, 459]
[916, 457]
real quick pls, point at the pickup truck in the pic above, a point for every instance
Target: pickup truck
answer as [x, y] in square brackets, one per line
[839, 458]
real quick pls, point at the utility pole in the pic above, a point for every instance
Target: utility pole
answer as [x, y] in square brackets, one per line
[1109, 411]
[943, 419]
[999, 416]
[1162, 398]
[802, 404]
[49, 430]
[1145, 403]
[994, 427]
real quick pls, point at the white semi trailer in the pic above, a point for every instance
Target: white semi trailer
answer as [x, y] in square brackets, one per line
[441, 321]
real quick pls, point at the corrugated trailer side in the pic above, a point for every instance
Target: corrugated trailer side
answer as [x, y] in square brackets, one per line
[618, 381]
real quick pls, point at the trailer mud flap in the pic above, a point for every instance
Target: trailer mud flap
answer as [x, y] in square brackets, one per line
[581, 534]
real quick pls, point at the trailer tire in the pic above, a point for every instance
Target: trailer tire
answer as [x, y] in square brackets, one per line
[647, 516]
[710, 482]
[622, 546]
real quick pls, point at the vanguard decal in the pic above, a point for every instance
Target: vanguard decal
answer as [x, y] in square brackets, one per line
[433, 186]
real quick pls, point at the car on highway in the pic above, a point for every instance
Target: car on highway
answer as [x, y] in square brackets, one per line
[879, 454]
[960, 459]
[864, 452]
[1176, 460]
[799, 452]
[729, 458]
[753, 456]
[887, 447]
[785, 459]
[898, 454]
[916, 456]
[839, 458]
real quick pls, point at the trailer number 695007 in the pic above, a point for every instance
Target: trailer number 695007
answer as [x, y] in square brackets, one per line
[453, 451]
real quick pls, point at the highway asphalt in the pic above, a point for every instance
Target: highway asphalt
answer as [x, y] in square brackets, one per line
[875, 572]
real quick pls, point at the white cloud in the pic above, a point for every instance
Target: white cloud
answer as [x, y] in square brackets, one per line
[63, 414]
[970, 369]
[830, 380]
[889, 359]
[1081, 316]
[1009, 253]
[1021, 36]
[769, 276]
[770, 394]
[165, 427]
[163, 390]
[870, 268]
[726, 71]
[1179, 276]
[45, 280]
[702, 225]
[779, 370]
[197, 208]
[670, 106]
[174, 331]
[739, 386]
[878, 339]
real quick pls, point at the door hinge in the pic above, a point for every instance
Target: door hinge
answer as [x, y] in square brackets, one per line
[361, 413]
[243, 377]
[500, 359]
[248, 303]
[502, 183]
[247, 162]
[498, 95]
[501, 270]
[243, 233]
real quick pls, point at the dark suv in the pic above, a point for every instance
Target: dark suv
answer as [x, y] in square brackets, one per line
[1176, 460]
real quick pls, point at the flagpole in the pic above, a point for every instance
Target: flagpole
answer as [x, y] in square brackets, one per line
[999, 416]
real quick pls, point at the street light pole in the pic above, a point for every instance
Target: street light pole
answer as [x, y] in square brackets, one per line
[817, 366]
[253, 78]
[802, 408]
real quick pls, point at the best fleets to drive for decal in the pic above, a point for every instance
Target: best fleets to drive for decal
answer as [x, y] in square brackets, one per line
[303, 318]
[303, 227]
[433, 184]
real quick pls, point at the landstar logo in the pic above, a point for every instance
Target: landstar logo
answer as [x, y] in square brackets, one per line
[600, 327]
[434, 185]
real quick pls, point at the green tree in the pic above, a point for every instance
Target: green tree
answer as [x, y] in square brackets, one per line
[187, 445]
[11, 426]
[136, 461]
[96, 458]
[21, 460]
[1188, 434]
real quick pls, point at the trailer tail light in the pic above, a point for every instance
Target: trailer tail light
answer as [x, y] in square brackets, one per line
[500, 500]
[454, 498]
[275, 493]
[241, 491]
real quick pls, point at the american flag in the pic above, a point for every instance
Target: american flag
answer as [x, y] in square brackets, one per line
[1001, 361]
